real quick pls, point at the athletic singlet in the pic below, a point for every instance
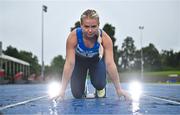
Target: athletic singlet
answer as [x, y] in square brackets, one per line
[82, 50]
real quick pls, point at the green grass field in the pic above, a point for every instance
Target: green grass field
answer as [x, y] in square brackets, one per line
[162, 73]
[156, 74]
[155, 77]
[169, 83]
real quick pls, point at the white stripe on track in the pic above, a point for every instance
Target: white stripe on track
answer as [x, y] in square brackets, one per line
[22, 102]
[26, 101]
[164, 99]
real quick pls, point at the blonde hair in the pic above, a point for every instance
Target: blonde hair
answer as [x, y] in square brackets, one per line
[92, 14]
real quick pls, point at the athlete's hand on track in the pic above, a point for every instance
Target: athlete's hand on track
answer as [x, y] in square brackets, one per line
[125, 94]
[59, 97]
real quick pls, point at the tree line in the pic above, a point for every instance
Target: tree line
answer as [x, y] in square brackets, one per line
[127, 57]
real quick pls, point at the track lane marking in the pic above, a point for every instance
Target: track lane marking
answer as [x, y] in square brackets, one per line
[163, 99]
[26, 101]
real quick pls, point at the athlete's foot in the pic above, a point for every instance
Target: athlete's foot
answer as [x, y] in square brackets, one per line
[101, 93]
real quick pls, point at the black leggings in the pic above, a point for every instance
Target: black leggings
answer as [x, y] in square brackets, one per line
[97, 72]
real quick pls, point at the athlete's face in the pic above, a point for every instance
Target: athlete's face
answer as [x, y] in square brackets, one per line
[90, 27]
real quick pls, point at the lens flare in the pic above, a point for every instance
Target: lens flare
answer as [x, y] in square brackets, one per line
[135, 90]
[54, 89]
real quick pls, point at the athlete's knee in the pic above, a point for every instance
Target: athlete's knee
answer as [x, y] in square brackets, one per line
[99, 85]
[78, 95]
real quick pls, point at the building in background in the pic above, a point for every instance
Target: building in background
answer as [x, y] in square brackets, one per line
[12, 70]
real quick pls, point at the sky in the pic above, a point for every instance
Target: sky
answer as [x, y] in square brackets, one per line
[21, 23]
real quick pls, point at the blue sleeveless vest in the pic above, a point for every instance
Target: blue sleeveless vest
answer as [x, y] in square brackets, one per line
[82, 50]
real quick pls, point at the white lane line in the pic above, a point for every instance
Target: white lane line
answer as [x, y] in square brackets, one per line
[26, 101]
[164, 99]
[22, 102]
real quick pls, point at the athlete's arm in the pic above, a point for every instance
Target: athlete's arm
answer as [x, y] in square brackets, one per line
[70, 61]
[111, 66]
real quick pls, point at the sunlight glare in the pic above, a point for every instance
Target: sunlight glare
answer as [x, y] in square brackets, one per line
[135, 90]
[54, 89]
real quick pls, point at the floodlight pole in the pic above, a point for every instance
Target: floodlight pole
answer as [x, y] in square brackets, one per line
[142, 62]
[44, 9]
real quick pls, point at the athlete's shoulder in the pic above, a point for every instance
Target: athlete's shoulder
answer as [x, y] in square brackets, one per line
[105, 36]
[72, 39]
[75, 31]
[106, 40]
[72, 35]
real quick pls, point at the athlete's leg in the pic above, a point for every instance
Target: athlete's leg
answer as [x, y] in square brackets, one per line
[97, 73]
[78, 80]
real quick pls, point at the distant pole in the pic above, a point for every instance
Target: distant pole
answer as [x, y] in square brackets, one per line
[44, 9]
[142, 62]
